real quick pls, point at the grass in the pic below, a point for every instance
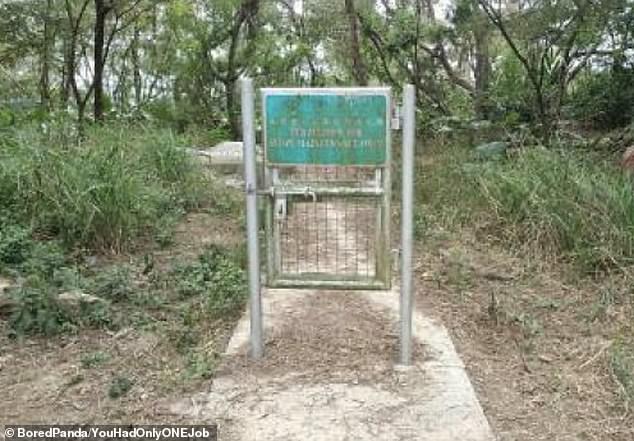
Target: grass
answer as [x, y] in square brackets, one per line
[563, 204]
[621, 359]
[101, 192]
[63, 198]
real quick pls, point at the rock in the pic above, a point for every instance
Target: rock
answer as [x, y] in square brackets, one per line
[492, 150]
[481, 124]
[6, 303]
[73, 298]
[5, 284]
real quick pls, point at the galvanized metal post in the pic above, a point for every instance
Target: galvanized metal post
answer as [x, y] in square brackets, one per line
[407, 216]
[250, 178]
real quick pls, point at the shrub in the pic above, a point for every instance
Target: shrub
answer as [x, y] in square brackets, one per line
[14, 242]
[217, 278]
[37, 310]
[605, 98]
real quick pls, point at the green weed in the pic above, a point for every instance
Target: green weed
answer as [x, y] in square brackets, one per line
[15, 242]
[37, 310]
[216, 278]
[622, 364]
[201, 365]
[94, 359]
[119, 386]
[114, 284]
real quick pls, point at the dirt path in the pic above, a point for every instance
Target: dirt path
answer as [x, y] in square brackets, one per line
[329, 374]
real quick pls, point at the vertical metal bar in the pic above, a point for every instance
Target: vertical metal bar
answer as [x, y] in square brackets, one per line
[278, 224]
[255, 299]
[406, 303]
[383, 252]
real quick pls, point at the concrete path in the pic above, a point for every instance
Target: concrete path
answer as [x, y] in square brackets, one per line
[329, 374]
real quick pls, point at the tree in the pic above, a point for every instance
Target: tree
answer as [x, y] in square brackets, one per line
[553, 41]
[359, 71]
[102, 8]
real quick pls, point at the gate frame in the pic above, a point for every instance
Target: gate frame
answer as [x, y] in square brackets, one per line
[382, 279]
[251, 192]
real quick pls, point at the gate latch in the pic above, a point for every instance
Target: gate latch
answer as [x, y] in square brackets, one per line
[309, 192]
[280, 208]
[306, 192]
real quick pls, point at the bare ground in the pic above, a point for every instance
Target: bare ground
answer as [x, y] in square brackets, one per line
[536, 346]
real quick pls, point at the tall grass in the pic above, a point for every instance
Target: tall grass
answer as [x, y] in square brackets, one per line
[563, 203]
[99, 192]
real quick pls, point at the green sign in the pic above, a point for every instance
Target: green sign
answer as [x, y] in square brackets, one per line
[326, 128]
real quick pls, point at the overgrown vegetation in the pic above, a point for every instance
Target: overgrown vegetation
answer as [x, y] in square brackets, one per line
[64, 199]
[100, 191]
[568, 205]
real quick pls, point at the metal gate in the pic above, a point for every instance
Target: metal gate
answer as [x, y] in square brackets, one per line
[327, 176]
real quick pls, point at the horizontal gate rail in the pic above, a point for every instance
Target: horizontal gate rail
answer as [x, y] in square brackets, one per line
[326, 191]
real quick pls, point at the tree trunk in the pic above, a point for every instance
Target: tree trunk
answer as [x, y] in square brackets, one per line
[64, 83]
[359, 70]
[136, 68]
[101, 12]
[45, 89]
[232, 115]
[482, 69]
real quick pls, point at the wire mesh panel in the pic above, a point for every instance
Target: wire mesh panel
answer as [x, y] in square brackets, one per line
[331, 235]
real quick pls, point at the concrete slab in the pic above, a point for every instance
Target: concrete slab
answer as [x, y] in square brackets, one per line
[225, 157]
[328, 374]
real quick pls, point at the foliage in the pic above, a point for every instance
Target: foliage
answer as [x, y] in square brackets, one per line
[119, 386]
[14, 243]
[510, 91]
[604, 98]
[563, 204]
[201, 365]
[217, 279]
[622, 365]
[100, 192]
[38, 310]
